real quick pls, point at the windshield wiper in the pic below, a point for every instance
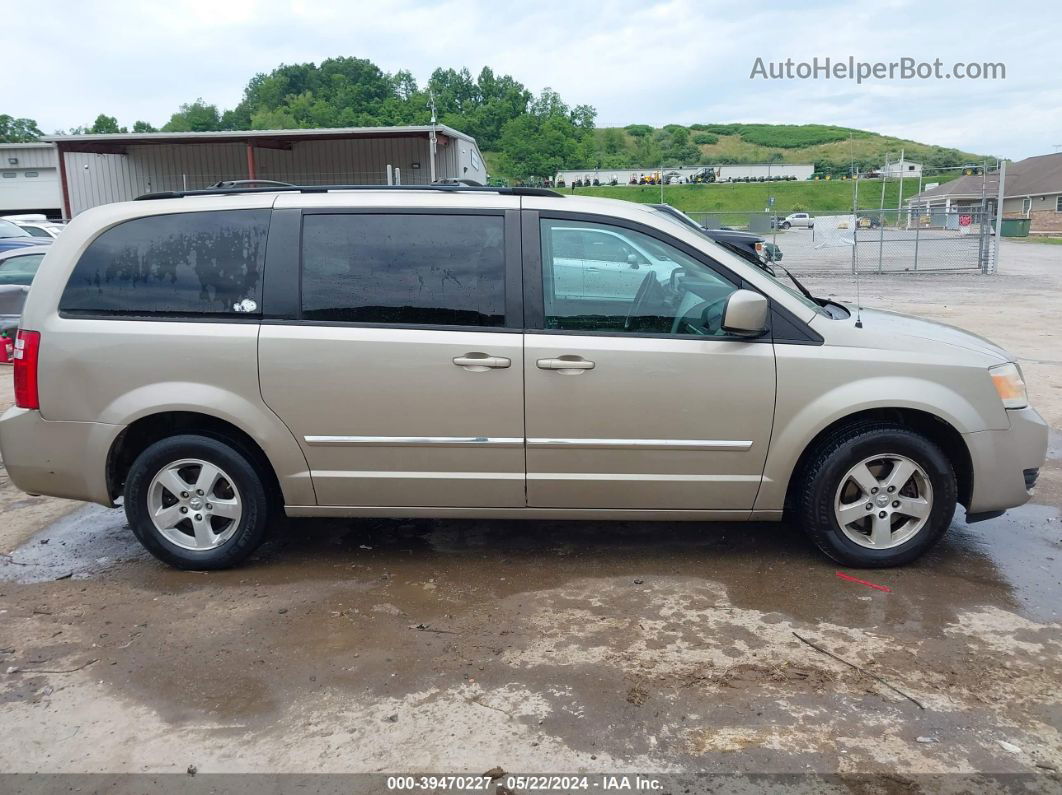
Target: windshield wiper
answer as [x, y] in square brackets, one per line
[806, 292]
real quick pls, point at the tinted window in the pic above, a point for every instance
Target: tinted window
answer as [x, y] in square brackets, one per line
[183, 264]
[446, 270]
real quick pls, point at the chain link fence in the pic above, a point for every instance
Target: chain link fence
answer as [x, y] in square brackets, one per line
[873, 241]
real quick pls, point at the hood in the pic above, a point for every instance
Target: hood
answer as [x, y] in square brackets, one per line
[892, 324]
[732, 235]
[8, 243]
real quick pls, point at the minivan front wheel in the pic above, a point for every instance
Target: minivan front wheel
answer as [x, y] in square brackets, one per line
[877, 495]
[196, 502]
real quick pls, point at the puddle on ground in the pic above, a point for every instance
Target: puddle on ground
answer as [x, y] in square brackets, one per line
[82, 544]
[1012, 561]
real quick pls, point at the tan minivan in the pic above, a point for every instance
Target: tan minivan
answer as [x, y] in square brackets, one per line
[209, 358]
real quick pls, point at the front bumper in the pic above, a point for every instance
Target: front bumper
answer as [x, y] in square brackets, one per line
[1001, 458]
[60, 459]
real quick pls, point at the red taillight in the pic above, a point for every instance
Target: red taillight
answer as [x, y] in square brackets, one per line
[27, 352]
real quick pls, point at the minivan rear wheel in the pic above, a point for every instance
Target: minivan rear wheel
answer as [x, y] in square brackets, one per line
[196, 502]
[877, 495]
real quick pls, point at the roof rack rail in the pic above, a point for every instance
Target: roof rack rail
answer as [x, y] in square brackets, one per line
[250, 183]
[224, 190]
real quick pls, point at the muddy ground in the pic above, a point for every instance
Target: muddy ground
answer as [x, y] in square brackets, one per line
[384, 646]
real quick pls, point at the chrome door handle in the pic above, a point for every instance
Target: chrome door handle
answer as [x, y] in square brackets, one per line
[568, 365]
[481, 362]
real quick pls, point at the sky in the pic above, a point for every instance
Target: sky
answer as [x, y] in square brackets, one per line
[677, 61]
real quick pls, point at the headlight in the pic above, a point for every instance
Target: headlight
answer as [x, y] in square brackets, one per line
[1010, 385]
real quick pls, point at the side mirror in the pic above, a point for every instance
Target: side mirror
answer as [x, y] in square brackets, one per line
[632, 260]
[745, 313]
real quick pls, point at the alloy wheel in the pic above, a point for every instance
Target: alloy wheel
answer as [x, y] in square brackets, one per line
[194, 504]
[883, 501]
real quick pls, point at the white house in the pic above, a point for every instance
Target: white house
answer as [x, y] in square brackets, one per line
[902, 168]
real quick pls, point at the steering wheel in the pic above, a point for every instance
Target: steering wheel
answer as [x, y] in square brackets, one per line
[641, 299]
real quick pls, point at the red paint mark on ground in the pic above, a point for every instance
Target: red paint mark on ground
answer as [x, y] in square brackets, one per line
[850, 578]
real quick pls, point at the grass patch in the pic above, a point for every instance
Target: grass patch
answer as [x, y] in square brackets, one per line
[811, 196]
[1050, 241]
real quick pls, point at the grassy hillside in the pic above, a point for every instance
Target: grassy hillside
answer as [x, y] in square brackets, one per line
[789, 197]
[831, 148]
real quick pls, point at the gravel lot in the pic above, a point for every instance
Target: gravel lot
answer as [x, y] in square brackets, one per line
[435, 646]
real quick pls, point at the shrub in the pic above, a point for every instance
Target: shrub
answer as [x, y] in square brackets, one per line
[704, 138]
[723, 129]
[793, 136]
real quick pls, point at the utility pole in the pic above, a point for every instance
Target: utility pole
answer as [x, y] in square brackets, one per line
[999, 216]
[432, 138]
[899, 199]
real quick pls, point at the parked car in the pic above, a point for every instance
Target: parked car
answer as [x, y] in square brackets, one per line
[17, 269]
[212, 360]
[36, 225]
[14, 236]
[866, 221]
[12, 299]
[794, 219]
[19, 265]
[747, 244]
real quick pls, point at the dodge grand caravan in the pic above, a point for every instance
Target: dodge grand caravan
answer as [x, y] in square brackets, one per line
[209, 359]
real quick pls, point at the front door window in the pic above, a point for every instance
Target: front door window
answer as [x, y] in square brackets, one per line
[603, 278]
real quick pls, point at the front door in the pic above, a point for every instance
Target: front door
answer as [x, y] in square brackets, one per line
[640, 400]
[402, 374]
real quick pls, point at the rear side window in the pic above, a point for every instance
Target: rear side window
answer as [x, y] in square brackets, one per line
[185, 264]
[446, 270]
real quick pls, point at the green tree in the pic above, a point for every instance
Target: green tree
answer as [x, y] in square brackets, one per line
[197, 116]
[612, 141]
[497, 101]
[105, 124]
[550, 136]
[18, 131]
[143, 127]
[638, 130]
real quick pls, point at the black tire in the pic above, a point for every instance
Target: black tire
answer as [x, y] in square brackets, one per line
[247, 480]
[832, 460]
[786, 224]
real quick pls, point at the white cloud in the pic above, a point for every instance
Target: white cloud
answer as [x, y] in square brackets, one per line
[635, 61]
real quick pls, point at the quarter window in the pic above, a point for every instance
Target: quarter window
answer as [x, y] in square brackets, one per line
[406, 269]
[603, 278]
[184, 264]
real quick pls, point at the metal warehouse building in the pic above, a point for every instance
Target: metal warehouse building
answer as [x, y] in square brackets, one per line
[29, 179]
[97, 169]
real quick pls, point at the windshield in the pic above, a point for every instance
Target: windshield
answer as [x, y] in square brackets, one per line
[680, 218]
[8, 229]
[798, 295]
